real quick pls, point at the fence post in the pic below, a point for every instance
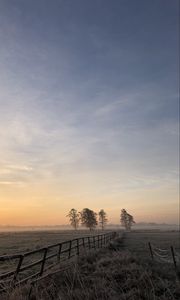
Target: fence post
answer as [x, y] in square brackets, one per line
[104, 237]
[70, 244]
[83, 242]
[173, 256]
[59, 252]
[151, 251]
[77, 246]
[101, 240]
[94, 242]
[18, 267]
[89, 242]
[43, 261]
[98, 241]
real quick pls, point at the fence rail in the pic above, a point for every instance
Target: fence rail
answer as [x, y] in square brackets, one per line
[33, 264]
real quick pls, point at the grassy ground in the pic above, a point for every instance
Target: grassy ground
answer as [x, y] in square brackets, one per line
[20, 242]
[137, 241]
[117, 275]
[123, 271]
[17, 242]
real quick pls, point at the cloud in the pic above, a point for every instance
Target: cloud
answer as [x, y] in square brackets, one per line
[87, 108]
[11, 183]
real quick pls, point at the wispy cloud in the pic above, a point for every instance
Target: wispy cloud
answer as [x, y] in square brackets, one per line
[88, 106]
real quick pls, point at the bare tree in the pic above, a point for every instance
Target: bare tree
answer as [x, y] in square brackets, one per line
[74, 218]
[102, 218]
[88, 218]
[126, 219]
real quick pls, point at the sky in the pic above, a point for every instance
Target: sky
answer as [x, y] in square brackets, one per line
[89, 107]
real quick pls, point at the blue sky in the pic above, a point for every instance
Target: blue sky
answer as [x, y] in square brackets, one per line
[89, 106]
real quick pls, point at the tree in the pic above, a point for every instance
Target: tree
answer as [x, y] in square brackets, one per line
[88, 218]
[74, 218]
[126, 219]
[102, 218]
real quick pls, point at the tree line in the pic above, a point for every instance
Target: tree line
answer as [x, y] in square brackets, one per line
[89, 219]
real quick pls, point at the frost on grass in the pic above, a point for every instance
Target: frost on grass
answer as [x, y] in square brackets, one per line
[112, 273]
[109, 275]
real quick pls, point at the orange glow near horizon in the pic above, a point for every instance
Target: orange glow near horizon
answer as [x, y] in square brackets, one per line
[38, 206]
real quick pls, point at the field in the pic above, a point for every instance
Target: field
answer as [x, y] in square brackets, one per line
[16, 242]
[123, 271]
[136, 241]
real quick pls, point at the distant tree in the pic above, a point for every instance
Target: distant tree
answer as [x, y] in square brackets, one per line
[74, 218]
[88, 218]
[102, 218]
[126, 219]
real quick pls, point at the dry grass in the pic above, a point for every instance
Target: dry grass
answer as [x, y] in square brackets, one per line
[137, 241]
[17, 242]
[107, 274]
[112, 275]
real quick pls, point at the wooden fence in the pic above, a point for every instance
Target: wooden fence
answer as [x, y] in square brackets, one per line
[32, 264]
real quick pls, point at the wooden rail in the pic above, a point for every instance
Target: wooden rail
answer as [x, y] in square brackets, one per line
[25, 265]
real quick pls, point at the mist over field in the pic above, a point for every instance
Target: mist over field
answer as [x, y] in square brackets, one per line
[141, 226]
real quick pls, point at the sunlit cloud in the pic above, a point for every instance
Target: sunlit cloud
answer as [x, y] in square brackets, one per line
[14, 183]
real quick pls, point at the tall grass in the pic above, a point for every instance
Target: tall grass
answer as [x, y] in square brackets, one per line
[107, 275]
